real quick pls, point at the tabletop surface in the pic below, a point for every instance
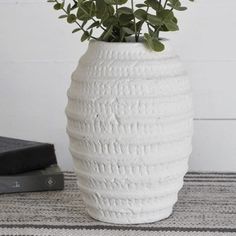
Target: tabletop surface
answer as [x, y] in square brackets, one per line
[206, 206]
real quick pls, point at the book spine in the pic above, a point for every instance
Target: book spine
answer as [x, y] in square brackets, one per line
[31, 183]
[28, 158]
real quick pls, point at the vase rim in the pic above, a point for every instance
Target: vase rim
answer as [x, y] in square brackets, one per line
[130, 46]
[130, 41]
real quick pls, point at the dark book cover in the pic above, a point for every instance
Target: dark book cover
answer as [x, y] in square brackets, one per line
[17, 156]
[48, 179]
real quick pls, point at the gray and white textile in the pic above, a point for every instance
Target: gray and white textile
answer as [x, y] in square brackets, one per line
[206, 206]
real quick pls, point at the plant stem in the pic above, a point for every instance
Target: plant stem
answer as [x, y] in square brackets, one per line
[103, 28]
[117, 11]
[92, 18]
[76, 22]
[135, 26]
[138, 33]
[165, 3]
[157, 30]
[160, 5]
[118, 22]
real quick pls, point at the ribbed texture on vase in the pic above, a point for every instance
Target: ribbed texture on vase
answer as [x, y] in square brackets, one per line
[130, 127]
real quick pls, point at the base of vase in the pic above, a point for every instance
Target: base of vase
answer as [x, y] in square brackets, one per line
[133, 219]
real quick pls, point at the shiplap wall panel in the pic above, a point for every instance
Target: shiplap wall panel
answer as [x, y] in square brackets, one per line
[213, 84]
[32, 103]
[214, 146]
[207, 31]
[38, 54]
[32, 32]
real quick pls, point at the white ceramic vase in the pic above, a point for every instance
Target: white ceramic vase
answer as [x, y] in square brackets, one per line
[130, 128]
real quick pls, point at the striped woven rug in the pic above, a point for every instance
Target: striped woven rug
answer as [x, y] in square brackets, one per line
[206, 206]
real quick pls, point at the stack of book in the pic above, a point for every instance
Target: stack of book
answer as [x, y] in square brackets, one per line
[27, 166]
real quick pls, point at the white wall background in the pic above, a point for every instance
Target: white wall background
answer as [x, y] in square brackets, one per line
[38, 54]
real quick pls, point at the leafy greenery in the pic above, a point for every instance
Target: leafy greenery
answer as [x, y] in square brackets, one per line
[118, 22]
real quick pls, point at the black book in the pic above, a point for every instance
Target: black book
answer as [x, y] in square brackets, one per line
[17, 156]
[48, 179]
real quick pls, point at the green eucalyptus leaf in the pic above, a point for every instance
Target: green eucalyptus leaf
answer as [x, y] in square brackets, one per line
[110, 21]
[114, 2]
[171, 26]
[103, 10]
[140, 5]
[180, 8]
[120, 2]
[79, 2]
[125, 19]
[86, 11]
[140, 14]
[176, 3]
[163, 28]
[100, 8]
[57, 6]
[121, 36]
[107, 33]
[68, 9]
[148, 40]
[155, 20]
[71, 18]
[100, 4]
[76, 30]
[153, 43]
[139, 25]
[127, 30]
[92, 9]
[166, 15]
[154, 4]
[85, 36]
[157, 45]
[62, 16]
[109, 1]
[124, 10]
[147, 36]
[175, 20]
[51, 1]
[94, 24]
[110, 10]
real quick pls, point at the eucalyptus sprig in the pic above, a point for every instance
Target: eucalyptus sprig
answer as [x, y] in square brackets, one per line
[118, 22]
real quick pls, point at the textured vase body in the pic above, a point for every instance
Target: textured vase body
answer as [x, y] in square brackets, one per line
[130, 128]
